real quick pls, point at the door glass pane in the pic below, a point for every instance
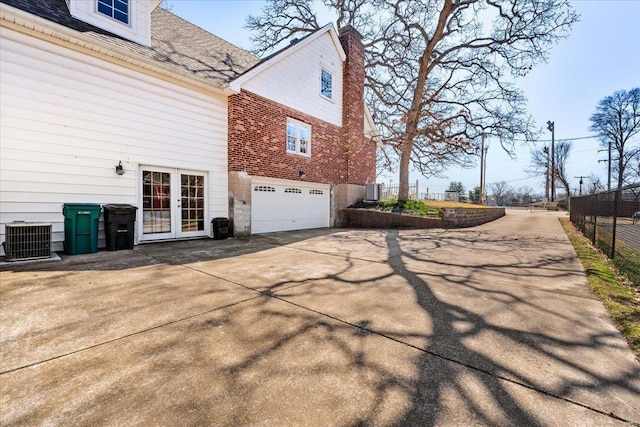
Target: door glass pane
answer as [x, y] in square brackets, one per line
[156, 202]
[192, 191]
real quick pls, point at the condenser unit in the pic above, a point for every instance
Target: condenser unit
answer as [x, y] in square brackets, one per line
[27, 240]
[373, 192]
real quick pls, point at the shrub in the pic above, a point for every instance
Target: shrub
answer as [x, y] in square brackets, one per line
[418, 207]
[387, 204]
[410, 207]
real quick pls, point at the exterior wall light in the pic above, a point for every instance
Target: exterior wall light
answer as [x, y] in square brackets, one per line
[119, 168]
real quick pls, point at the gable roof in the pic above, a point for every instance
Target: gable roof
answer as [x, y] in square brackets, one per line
[180, 46]
[265, 63]
[175, 43]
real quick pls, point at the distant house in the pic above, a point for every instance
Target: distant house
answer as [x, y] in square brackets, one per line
[202, 128]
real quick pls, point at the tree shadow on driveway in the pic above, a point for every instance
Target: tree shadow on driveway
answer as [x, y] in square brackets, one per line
[502, 344]
[422, 328]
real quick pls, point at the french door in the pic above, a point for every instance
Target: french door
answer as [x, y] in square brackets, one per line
[174, 203]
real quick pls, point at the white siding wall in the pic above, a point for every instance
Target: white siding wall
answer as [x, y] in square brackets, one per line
[295, 81]
[138, 30]
[67, 120]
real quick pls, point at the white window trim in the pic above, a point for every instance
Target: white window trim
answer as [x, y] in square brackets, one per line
[130, 6]
[332, 74]
[297, 149]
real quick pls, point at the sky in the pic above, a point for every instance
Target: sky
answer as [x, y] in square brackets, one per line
[600, 56]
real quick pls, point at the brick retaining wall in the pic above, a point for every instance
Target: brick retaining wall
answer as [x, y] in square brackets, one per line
[463, 217]
[365, 218]
[452, 218]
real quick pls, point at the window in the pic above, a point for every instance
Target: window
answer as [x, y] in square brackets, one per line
[326, 84]
[293, 190]
[116, 9]
[265, 188]
[320, 192]
[298, 138]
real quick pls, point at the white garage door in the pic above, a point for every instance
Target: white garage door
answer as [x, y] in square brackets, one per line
[278, 205]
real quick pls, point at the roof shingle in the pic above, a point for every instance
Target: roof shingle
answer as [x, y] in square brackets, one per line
[175, 43]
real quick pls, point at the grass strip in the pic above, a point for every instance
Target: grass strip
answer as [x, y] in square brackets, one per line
[628, 262]
[609, 285]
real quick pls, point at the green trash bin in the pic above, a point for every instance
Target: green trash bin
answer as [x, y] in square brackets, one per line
[81, 228]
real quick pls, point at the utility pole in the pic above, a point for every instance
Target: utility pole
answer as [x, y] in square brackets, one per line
[486, 150]
[580, 182]
[609, 174]
[481, 170]
[551, 127]
[608, 166]
[545, 150]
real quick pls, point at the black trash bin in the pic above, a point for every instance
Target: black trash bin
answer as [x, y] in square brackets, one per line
[220, 228]
[119, 222]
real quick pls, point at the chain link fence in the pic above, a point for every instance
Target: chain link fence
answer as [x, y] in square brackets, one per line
[611, 220]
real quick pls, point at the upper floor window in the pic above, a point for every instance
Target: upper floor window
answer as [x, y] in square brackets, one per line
[298, 138]
[116, 9]
[326, 84]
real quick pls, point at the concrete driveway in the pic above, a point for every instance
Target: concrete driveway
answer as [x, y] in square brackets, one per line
[492, 325]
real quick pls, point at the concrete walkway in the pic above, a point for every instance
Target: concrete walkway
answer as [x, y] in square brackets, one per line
[493, 325]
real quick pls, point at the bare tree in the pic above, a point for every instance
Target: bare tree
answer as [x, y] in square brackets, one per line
[166, 5]
[595, 185]
[563, 148]
[281, 20]
[634, 167]
[500, 190]
[288, 19]
[524, 194]
[438, 71]
[538, 164]
[439, 77]
[386, 161]
[617, 119]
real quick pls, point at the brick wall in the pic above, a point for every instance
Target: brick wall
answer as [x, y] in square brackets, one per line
[365, 218]
[360, 152]
[461, 217]
[339, 155]
[257, 142]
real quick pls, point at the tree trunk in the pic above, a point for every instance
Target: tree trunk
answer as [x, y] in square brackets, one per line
[565, 184]
[413, 115]
[620, 167]
[405, 157]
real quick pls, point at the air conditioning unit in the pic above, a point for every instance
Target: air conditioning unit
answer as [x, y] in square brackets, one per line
[373, 192]
[27, 240]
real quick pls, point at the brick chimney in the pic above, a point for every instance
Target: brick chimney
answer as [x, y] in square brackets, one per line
[360, 152]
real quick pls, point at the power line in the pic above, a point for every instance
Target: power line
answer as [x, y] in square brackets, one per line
[581, 182]
[585, 150]
[523, 179]
[559, 139]
[588, 164]
[551, 126]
